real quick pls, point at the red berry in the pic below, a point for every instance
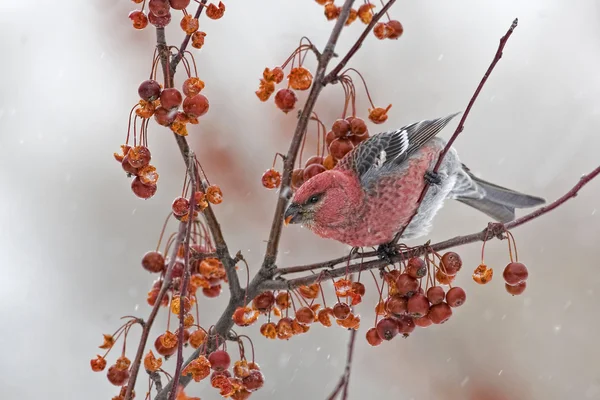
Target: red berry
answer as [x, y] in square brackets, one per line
[330, 137]
[396, 305]
[314, 160]
[162, 350]
[358, 139]
[127, 166]
[179, 4]
[305, 315]
[312, 170]
[406, 325]
[142, 191]
[139, 156]
[435, 295]
[170, 98]
[515, 273]
[285, 100]
[387, 328]
[358, 288]
[271, 179]
[340, 128]
[139, 19]
[373, 337]
[340, 147]
[423, 322]
[358, 126]
[456, 297]
[116, 376]
[341, 311]
[395, 28]
[264, 301]
[297, 178]
[254, 381]
[418, 305]
[451, 263]
[160, 8]
[416, 268]
[180, 206]
[439, 313]
[517, 289]
[213, 291]
[149, 90]
[164, 117]
[153, 261]
[159, 22]
[219, 360]
[406, 285]
[195, 106]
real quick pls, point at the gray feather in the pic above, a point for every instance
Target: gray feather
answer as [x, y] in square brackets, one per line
[498, 212]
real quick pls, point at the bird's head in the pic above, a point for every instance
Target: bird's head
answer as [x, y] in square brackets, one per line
[325, 201]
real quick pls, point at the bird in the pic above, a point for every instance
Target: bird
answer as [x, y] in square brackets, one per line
[372, 193]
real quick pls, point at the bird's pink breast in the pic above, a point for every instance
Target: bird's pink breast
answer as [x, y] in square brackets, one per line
[390, 203]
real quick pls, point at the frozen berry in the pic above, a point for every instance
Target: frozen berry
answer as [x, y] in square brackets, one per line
[456, 297]
[515, 273]
[483, 274]
[142, 191]
[312, 170]
[395, 28]
[406, 325]
[139, 19]
[416, 268]
[179, 4]
[198, 39]
[149, 90]
[164, 117]
[160, 8]
[340, 128]
[254, 381]
[418, 305]
[305, 315]
[423, 322]
[139, 156]
[340, 147]
[271, 179]
[396, 305]
[164, 350]
[285, 100]
[116, 376]
[387, 328]
[517, 289]
[439, 313]
[192, 86]
[451, 263]
[170, 98]
[159, 22]
[406, 285]
[373, 337]
[195, 106]
[219, 360]
[341, 310]
[300, 78]
[435, 295]
[153, 261]
[264, 302]
[180, 206]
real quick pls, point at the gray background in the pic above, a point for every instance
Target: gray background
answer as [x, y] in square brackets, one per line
[72, 233]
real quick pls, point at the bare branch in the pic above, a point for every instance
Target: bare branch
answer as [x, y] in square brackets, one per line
[186, 40]
[342, 385]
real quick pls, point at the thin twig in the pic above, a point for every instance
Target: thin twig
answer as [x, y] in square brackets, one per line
[344, 381]
[135, 365]
[460, 127]
[318, 84]
[186, 40]
[491, 231]
[333, 76]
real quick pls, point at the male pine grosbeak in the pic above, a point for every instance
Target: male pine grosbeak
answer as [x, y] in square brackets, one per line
[372, 192]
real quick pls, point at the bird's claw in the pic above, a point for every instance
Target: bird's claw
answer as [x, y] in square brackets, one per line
[433, 178]
[386, 251]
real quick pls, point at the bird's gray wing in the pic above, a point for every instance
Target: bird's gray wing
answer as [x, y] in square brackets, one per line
[385, 151]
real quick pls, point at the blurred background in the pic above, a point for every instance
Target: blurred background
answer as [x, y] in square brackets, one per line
[72, 233]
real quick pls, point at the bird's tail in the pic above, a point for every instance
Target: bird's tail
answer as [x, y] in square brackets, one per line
[495, 201]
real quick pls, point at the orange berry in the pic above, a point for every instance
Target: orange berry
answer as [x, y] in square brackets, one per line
[395, 28]
[300, 78]
[483, 274]
[332, 11]
[365, 14]
[108, 341]
[285, 100]
[378, 115]
[284, 328]
[381, 31]
[324, 315]
[310, 292]
[197, 338]
[192, 86]
[199, 368]
[269, 330]
[214, 12]
[139, 19]
[265, 90]
[274, 75]
[123, 363]
[442, 278]
[198, 39]
[189, 24]
[214, 194]
[98, 364]
[352, 16]
[329, 162]
[145, 110]
[283, 300]
[148, 175]
[271, 179]
[244, 316]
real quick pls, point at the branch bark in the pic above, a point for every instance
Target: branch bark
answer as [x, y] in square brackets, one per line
[344, 381]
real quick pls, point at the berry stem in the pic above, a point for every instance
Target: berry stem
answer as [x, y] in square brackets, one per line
[186, 40]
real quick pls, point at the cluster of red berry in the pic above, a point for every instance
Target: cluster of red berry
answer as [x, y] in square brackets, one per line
[159, 15]
[136, 162]
[299, 78]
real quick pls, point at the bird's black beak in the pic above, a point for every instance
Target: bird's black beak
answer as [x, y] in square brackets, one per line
[292, 214]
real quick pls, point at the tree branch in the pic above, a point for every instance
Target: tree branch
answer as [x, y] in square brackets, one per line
[342, 385]
[186, 40]
[334, 74]
[135, 366]
[491, 231]
[460, 126]
[290, 159]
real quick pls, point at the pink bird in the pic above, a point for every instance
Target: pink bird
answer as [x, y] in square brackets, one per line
[372, 192]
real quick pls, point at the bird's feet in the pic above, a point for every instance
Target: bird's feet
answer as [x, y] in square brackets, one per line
[433, 178]
[386, 251]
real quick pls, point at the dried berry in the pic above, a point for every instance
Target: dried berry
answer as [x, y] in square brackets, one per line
[515, 273]
[198, 39]
[274, 75]
[214, 12]
[245, 316]
[332, 11]
[379, 115]
[351, 17]
[166, 344]
[387, 328]
[284, 328]
[285, 100]
[442, 278]
[153, 261]
[197, 338]
[139, 19]
[310, 292]
[199, 368]
[214, 194]
[382, 31]
[189, 24]
[439, 313]
[196, 106]
[451, 263]
[365, 14]
[192, 86]
[300, 78]
[483, 274]
[254, 381]
[324, 316]
[456, 297]
[271, 179]
[283, 300]
[341, 310]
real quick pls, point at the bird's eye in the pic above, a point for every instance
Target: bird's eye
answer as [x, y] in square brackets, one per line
[313, 199]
